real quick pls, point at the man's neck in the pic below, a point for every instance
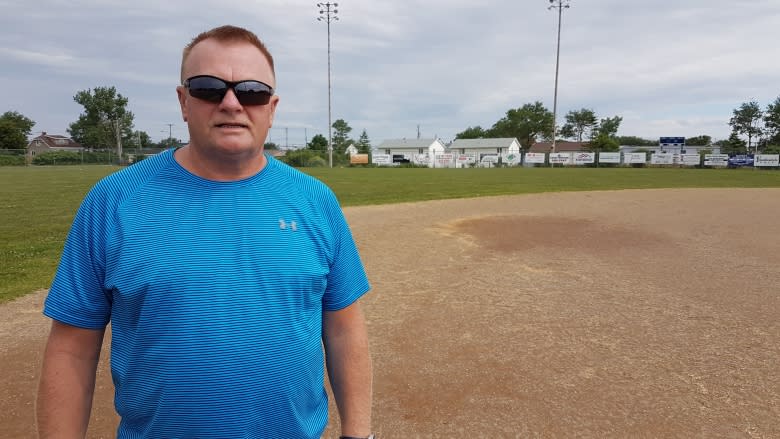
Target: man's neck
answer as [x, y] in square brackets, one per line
[218, 167]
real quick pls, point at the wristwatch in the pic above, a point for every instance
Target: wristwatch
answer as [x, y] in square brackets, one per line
[370, 436]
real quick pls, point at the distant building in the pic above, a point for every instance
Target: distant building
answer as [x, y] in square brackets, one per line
[411, 150]
[52, 142]
[546, 147]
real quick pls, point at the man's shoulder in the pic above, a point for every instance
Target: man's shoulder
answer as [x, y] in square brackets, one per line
[311, 186]
[129, 179]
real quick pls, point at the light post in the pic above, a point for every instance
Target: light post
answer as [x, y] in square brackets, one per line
[560, 5]
[328, 13]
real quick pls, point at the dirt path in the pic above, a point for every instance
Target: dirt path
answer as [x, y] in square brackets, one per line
[602, 314]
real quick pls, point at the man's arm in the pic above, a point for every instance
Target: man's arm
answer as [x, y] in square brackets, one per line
[67, 381]
[349, 367]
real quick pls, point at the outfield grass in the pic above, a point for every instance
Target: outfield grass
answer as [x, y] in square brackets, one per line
[37, 204]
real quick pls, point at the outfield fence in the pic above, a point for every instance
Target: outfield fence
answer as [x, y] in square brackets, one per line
[588, 159]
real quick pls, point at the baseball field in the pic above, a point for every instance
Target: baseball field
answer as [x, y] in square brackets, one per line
[505, 302]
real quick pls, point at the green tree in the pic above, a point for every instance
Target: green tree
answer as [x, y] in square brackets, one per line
[702, 140]
[363, 144]
[341, 138]
[11, 137]
[472, 133]
[579, 123]
[318, 143]
[772, 122]
[526, 123]
[603, 142]
[746, 121]
[270, 146]
[20, 121]
[14, 130]
[732, 145]
[105, 112]
[170, 142]
[609, 126]
[635, 141]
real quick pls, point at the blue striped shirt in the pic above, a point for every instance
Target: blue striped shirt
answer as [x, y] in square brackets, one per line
[215, 293]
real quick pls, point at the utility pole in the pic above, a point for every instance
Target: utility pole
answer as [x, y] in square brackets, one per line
[328, 13]
[118, 141]
[560, 5]
[170, 132]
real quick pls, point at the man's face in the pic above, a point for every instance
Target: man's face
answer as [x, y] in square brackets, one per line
[227, 128]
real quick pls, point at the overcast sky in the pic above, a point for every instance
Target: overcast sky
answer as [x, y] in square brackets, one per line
[668, 67]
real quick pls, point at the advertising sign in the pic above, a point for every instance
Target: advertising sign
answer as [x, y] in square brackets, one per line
[716, 160]
[490, 158]
[634, 157]
[466, 159]
[582, 158]
[561, 158]
[690, 159]
[421, 159]
[444, 159]
[609, 157]
[662, 158]
[766, 160]
[511, 159]
[534, 157]
[382, 159]
[358, 159]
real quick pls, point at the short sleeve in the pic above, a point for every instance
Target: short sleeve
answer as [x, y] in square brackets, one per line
[347, 280]
[77, 297]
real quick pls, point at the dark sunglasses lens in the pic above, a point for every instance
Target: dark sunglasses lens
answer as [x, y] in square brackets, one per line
[208, 89]
[252, 93]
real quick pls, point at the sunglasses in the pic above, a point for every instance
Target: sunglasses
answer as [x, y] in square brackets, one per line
[213, 89]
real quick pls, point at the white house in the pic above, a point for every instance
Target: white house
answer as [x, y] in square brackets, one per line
[485, 150]
[351, 150]
[411, 150]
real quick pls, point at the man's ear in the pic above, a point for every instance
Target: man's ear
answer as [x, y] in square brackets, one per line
[181, 93]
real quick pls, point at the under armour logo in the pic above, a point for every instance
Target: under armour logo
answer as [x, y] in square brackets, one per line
[292, 225]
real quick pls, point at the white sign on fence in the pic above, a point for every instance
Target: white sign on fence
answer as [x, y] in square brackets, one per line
[490, 158]
[716, 159]
[511, 159]
[421, 159]
[534, 157]
[634, 157]
[766, 160]
[690, 159]
[609, 157]
[583, 158]
[382, 159]
[561, 158]
[465, 159]
[444, 159]
[663, 158]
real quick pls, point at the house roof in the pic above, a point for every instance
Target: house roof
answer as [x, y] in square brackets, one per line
[498, 142]
[559, 146]
[406, 143]
[55, 141]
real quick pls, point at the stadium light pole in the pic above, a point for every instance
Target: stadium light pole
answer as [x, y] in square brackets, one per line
[560, 5]
[328, 13]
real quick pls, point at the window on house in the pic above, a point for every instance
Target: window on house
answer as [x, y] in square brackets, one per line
[420, 151]
[387, 151]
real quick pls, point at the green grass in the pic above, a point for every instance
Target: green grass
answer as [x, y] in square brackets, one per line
[37, 204]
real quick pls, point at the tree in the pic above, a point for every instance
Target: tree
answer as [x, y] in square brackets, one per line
[318, 143]
[609, 126]
[526, 123]
[772, 122]
[11, 137]
[733, 145]
[702, 140]
[341, 138]
[603, 142]
[20, 121]
[363, 144]
[746, 121]
[270, 146]
[635, 141]
[105, 112]
[170, 142]
[579, 123]
[472, 133]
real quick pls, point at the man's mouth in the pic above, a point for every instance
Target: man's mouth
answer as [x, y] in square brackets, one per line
[230, 125]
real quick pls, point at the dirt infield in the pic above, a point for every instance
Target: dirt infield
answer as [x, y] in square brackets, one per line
[652, 313]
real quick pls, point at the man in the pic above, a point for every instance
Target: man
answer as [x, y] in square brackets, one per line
[223, 273]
